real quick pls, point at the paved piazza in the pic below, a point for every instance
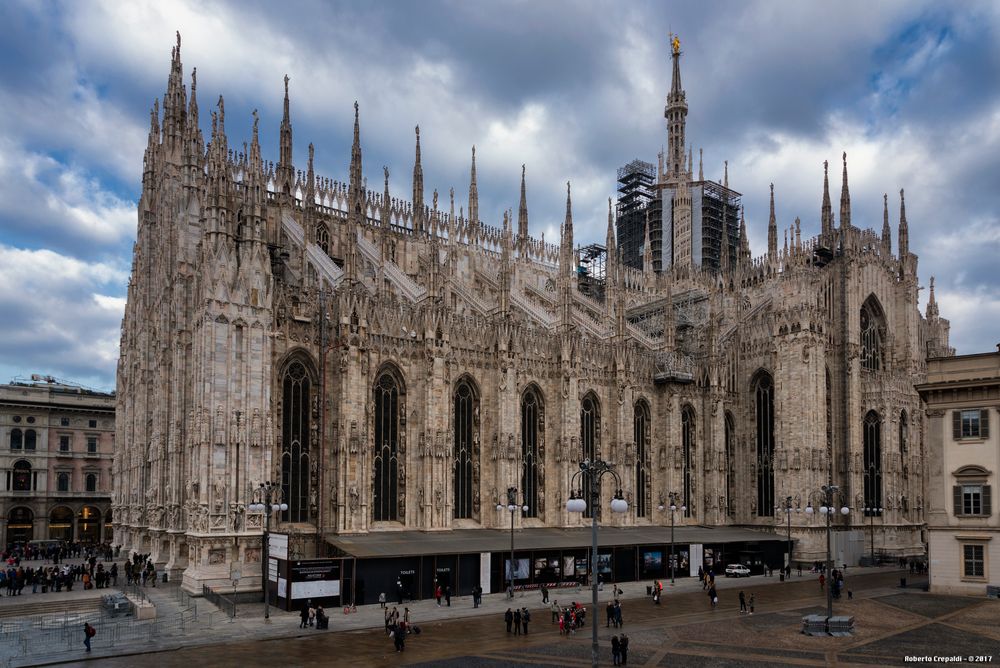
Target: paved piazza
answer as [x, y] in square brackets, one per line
[891, 624]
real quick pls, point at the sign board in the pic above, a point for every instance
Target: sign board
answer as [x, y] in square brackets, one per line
[277, 545]
[315, 589]
[282, 587]
[697, 559]
[272, 570]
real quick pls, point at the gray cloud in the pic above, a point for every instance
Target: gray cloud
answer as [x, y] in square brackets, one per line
[571, 89]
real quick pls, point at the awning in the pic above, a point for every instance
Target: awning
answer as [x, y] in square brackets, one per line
[473, 541]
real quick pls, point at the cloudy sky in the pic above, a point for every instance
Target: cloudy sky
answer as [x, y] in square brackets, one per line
[573, 90]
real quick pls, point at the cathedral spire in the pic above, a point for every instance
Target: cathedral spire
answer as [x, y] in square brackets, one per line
[744, 240]
[701, 170]
[310, 195]
[285, 171]
[675, 112]
[473, 197]
[522, 217]
[904, 229]
[418, 188]
[647, 250]
[192, 118]
[356, 193]
[725, 174]
[609, 237]
[566, 243]
[932, 307]
[174, 102]
[845, 200]
[826, 213]
[886, 232]
[772, 230]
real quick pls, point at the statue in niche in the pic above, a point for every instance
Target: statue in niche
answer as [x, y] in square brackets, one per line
[355, 499]
[220, 493]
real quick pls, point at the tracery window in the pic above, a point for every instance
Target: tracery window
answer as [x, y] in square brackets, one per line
[466, 450]
[295, 446]
[386, 501]
[730, 463]
[642, 459]
[873, 464]
[687, 447]
[323, 237]
[903, 433]
[872, 335]
[590, 426]
[764, 401]
[532, 432]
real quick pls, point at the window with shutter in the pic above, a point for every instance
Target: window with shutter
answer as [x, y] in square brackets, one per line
[984, 423]
[956, 492]
[956, 425]
[987, 501]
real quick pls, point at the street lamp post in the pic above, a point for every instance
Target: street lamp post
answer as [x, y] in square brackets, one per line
[871, 511]
[673, 509]
[788, 513]
[266, 499]
[828, 509]
[512, 507]
[593, 472]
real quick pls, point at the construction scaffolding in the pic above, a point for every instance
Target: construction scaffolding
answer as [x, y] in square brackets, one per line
[636, 191]
[720, 214]
[591, 271]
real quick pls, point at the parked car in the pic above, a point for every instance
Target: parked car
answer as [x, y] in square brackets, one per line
[737, 571]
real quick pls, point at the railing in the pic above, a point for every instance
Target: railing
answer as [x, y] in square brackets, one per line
[223, 603]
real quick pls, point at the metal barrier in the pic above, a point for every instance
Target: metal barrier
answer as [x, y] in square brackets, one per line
[223, 603]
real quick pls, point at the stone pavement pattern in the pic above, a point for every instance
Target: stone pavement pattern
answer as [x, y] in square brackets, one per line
[682, 632]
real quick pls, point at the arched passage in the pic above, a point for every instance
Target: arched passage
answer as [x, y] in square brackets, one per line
[61, 523]
[89, 525]
[20, 525]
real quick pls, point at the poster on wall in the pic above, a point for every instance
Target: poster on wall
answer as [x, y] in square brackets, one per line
[277, 545]
[652, 561]
[697, 559]
[521, 568]
[315, 589]
[282, 588]
[569, 567]
[604, 564]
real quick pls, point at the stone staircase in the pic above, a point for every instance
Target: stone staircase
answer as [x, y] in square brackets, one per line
[32, 608]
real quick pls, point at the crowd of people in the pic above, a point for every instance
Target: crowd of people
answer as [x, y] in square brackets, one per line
[397, 627]
[57, 574]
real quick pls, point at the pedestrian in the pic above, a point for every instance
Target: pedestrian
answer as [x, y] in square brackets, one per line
[304, 614]
[312, 615]
[406, 619]
[447, 595]
[508, 618]
[850, 595]
[517, 622]
[399, 638]
[618, 613]
[624, 648]
[525, 618]
[437, 594]
[381, 600]
[616, 651]
[751, 603]
[822, 581]
[88, 633]
[743, 602]
[713, 597]
[545, 593]
[562, 625]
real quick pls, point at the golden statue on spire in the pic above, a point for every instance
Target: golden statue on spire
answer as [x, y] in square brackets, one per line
[675, 43]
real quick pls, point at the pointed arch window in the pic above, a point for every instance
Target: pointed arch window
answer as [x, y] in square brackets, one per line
[323, 237]
[466, 450]
[590, 430]
[642, 459]
[296, 389]
[903, 433]
[872, 335]
[687, 448]
[764, 404]
[730, 463]
[872, 464]
[829, 425]
[532, 432]
[386, 502]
